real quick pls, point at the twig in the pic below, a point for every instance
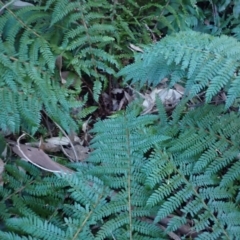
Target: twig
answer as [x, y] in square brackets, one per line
[74, 151]
[66, 153]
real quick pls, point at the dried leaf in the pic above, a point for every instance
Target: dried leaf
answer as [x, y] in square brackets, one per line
[41, 143]
[73, 137]
[59, 62]
[114, 105]
[121, 103]
[167, 96]
[164, 80]
[39, 158]
[150, 99]
[2, 144]
[85, 125]
[128, 97]
[64, 76]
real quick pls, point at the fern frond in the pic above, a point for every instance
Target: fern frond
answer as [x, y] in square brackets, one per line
[39, 229]
[119, 147]
[29, 47]
[202, 61]
[12, 236]
[64, 206]
[197, 173]
[28, 70]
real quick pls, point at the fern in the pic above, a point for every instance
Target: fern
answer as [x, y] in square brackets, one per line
[29, 47]
[197, 173]
[194, 175]
[27, 65]
[91, 38]
[43, 203]
[85, 38]
[185, 170]
[107, 201]
[182, 167]
[120, 146]
[200, 61]
[29, 195]
[173, 16]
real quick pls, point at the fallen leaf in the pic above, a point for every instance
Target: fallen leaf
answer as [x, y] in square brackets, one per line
[39, 158]
[128, 97]
[167, 96]
[85, 126]
[164, 80]
[58, 62]
[117, 91]
[64, 76]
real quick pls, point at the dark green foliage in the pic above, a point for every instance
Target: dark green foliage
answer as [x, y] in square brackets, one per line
[172, 16]
[220, 17]
[112, 205]
[183, 166]
[27, 65]
[26, 193]
[49, 207]
[192, 175]
[91, 36]
[32, 39]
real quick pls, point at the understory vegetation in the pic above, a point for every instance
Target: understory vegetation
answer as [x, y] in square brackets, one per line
[119, 119]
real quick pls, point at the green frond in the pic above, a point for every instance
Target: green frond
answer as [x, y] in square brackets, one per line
[12, 236]
[97, 90]
[118, 156]
[39, 229]
[60, 7]
[28, 72]
[32, 39]
[197, 173]
[202, 61]
[181, 166]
